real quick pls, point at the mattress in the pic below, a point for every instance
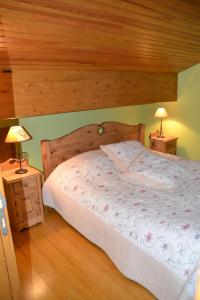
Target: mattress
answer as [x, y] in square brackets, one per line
[151, 234]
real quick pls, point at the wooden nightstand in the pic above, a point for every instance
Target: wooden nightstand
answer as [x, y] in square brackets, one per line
[24, 197]
[165, 145]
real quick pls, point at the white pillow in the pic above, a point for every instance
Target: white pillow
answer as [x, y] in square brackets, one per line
[155, 170]
[123, 153]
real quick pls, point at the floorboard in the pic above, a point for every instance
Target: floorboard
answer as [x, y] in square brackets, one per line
[57, 263]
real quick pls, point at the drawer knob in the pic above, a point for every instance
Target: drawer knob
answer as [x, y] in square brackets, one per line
[25, 184]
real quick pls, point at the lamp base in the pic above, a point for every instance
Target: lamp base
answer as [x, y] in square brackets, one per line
[21, 171]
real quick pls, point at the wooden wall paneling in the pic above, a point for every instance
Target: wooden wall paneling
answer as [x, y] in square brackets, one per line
[39, 92]
[7, 109]
[4, 60]
[6, 91]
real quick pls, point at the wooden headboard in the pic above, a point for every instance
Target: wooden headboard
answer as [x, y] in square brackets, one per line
[86, 138]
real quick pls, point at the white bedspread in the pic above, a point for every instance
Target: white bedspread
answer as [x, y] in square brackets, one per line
[164, 224]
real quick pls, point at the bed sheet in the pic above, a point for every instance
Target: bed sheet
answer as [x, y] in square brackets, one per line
[160, 225]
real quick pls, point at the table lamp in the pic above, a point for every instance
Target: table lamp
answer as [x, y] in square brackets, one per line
[161, 113]
[18, 134]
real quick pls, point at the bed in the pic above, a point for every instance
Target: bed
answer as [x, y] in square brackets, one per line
[151, 234]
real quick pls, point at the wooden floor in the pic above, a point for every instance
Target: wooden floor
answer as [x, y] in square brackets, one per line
[56, 262]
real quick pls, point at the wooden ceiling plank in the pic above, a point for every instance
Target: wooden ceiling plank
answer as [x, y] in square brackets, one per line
[41, 38]
[161, 18]
[30, 65]
[14, 51]
[137, 8]
[140, 19]
[127, 48]
[188, 9]
[116, 33]
[163, 10]
[151, 49]
[132, 34]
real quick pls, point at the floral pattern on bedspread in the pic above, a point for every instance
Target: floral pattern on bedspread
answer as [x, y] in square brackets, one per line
[165, 223]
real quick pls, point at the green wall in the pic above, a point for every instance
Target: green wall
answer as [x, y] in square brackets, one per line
[183, 121]
[184, 114]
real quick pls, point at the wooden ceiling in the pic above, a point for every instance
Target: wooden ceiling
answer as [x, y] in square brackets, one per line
[138, 35]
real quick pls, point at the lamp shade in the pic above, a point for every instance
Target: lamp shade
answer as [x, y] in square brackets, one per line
[161, 113]
[17, 134]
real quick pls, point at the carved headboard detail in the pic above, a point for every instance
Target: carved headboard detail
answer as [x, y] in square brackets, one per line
[87, 138]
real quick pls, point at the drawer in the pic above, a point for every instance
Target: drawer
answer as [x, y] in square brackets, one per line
[171, 147]
[171, 151]
[16, 213]
[26, 205]
[158, 146]
[24, 186]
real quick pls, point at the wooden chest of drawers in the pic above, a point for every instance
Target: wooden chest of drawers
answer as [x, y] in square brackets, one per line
[24, 198]
[165, 145]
